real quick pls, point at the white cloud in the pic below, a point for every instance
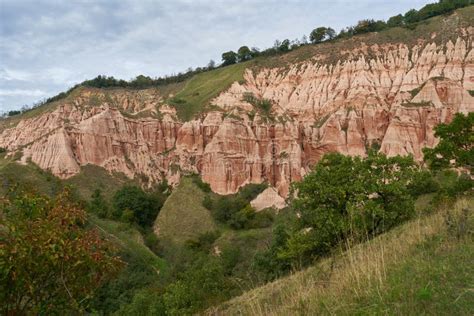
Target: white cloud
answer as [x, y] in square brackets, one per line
[46, 45]
[22, 92]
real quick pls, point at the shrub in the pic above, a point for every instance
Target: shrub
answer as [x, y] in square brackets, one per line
[423, 183]
[333, 209]
[132, 204]
[197, 180]
[49, 262]
[98, 205]
[455, 147]
[207, 202]
[204, 241]
[152, 242]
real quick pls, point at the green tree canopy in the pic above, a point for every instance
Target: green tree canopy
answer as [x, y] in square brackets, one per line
[131, 203]
[348, 198]
[229, 58]
[244, 53]
[321, 33]
[456, 145]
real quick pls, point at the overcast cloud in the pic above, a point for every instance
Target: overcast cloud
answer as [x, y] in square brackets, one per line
[48, 46]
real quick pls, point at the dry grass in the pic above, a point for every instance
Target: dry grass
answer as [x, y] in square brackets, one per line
[339, 284]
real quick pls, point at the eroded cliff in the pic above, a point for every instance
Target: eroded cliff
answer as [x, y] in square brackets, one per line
[388, 97]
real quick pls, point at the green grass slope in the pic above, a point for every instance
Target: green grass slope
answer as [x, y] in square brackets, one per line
[84, 183]
[129, 240]
[418, 268]
[183, 217]
[200, 89]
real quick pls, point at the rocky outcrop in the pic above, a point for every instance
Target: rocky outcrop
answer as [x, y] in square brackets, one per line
[269, 198]
[389, 97]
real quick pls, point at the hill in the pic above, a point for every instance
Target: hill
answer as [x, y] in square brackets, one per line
[269, 119]
[183, 217]
[421, 267]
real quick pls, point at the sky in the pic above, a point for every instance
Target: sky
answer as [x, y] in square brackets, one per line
[47, 46]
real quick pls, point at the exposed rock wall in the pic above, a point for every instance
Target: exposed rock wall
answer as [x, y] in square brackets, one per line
[391, 96]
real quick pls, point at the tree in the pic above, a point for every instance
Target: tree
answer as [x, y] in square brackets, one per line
[318, 35]
[330, 33]
[244, 53]
[98, 205]
[49, 262]
[284, 46]
[255, 52]
[333, 208]
[211, 64]
[131, 203]
[321, 33]
[396, 20]
[229, 58]
[455, 147]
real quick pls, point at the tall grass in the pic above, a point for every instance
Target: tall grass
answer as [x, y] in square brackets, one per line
[364, 279]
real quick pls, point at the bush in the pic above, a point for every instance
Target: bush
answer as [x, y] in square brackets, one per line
[152, 242]
[98, 205]
[44, 246]
[207, 202]
[333, 208]
[235, 210]
[423, 183]
[204, 241]
[197, 180]
[132, 204]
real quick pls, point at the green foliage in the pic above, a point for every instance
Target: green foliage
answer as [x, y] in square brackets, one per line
[49, 263]
[229, 58]
[423, 182]
[267, 262]
[236, 211]
[456, 144]
[13, 112]
[204, 241]
[98, 205]
[244, 54]
[203, 87]
[332, 209]
[197, 180]
[120, 290]
[320, 34]
[394, 21]
[132, 204]
[183, 217]
[152, 242]
[203, 284]
[451, 184]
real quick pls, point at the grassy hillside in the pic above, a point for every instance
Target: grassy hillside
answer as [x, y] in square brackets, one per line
[200, 89]
[420, 267]
[183, 217]
[129, 240]
[84, 183]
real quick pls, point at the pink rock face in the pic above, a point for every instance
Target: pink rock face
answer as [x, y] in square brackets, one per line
[269, 198]
[394, 99]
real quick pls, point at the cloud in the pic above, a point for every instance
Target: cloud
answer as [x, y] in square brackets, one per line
[21, 92]
[48, 45]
